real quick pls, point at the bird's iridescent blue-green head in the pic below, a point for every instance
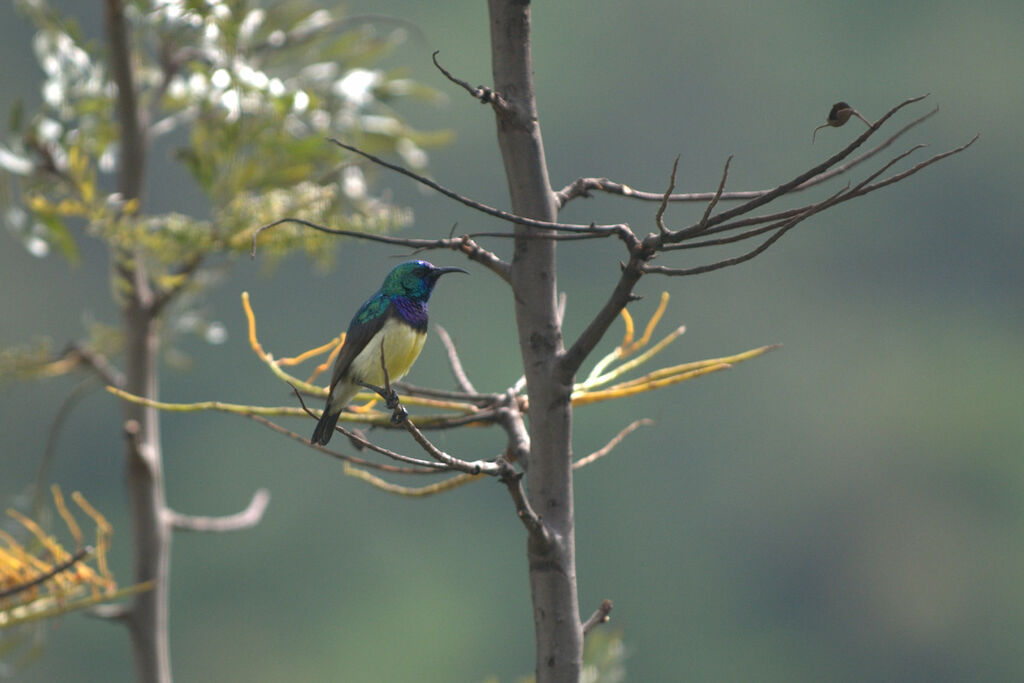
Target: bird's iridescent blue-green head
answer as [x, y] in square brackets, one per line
[414, 279]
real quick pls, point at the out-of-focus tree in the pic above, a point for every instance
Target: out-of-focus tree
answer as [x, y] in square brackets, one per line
[246, 94]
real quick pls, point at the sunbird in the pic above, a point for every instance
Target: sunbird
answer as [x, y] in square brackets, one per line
[394, 322]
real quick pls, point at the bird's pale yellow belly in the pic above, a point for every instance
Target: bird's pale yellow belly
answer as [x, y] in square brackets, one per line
[402, 345]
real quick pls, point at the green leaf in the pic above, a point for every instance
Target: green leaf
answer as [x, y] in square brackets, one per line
[58, 235]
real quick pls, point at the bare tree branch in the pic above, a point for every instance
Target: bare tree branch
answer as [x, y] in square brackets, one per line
[453, 360]
[724, 263]
[481, 92]
[660, 215]
[582, 187]
[464, 244]
[747, 207]
[600, 616]
[911, 171]
[573, 358]
[718, 195]
[106, 371]
[530, 519]
[362, 442]
[246, 519]
[611, 229]
[863, 187]
[428, 468]
[612, 443]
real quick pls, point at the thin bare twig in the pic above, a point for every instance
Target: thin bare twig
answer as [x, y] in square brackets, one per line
[246, 519]
[718, 195]
[429, 468]
[863, 187]
[453, 360]
[785, 188]
[107, 372]
[659, 217]
[914, 169]
[482, 93]
[724, 263]
[447, 395]
[600, 616]
[841, 195]
[582, 187]
[613, 442]
[362, 442]
[611, 229]
[464, 244]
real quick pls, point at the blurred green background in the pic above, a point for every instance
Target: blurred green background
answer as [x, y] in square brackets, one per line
[850, 507]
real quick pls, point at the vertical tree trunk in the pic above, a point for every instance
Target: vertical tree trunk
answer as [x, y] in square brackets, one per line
[552, 565]
[147, 619]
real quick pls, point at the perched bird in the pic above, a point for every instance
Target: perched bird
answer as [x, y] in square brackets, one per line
[393, 319]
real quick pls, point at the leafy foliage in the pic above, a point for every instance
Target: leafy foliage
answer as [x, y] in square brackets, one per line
[248, 93]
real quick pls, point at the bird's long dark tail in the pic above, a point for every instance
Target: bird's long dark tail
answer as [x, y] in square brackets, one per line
[325, 428]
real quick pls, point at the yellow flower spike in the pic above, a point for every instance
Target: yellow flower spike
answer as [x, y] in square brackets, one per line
[584, 397]
[686, 367]
[18, 561]
[329, 360]
[627, 338]
[267, 358]
[104, 531]
[651, 324]
[331, 346]
[594, 377]
[639, 360]
[251, 318]
[411, 491]
[51, 581]
[69, 521]
[45, 539]
[627, 347]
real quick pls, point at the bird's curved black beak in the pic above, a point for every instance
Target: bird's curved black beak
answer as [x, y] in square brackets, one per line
[438, 272]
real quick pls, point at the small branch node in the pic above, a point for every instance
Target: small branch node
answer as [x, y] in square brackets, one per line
[600, 616]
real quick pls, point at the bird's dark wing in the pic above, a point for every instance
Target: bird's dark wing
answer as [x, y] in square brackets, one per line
[368, 321]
